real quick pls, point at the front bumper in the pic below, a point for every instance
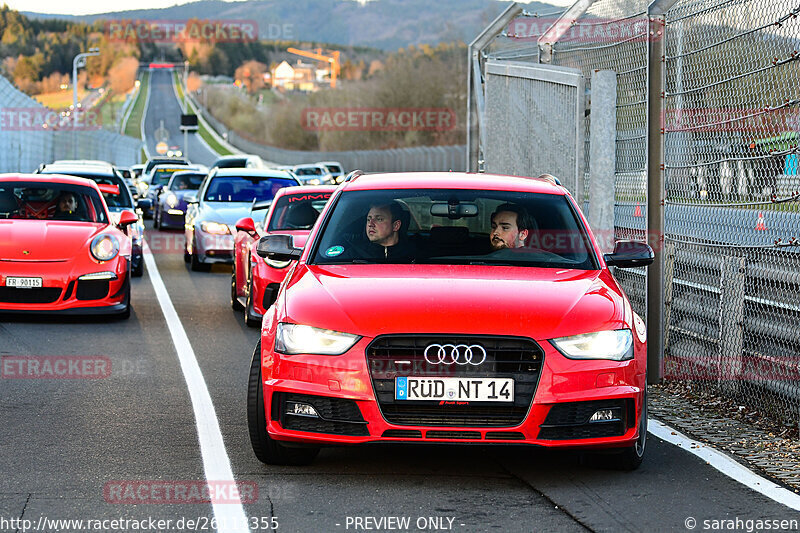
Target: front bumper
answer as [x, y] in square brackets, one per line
[213, 248]
[566, 395]
[62, 291]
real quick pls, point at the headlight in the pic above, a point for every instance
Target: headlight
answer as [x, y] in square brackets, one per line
[215, 228]
[104, 247]
[172, 200]
[298, 338]
[616, 345]
[276, 264]
[313, 181]
[142, 186]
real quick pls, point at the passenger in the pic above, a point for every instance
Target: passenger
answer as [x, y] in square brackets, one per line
[66, 207]
[386, 229]
[511, 225]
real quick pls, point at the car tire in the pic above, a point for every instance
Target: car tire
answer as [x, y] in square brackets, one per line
[196, 264]
[126, 313]
[156, 221]
[266, 449]
[631, 458]
[236, 305]
[250, 318]
[138, 271]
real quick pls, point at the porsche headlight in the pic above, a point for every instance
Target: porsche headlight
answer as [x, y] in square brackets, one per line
[313, 181]
[616, 345]
[104, 247]
[299, 338]
[172, 200]
[215, 228]
[142, 186]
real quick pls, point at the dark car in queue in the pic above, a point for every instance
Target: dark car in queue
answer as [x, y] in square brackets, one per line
[171, 209]
[255, 280]
[225, 196]
[117, 203]
[159, 177]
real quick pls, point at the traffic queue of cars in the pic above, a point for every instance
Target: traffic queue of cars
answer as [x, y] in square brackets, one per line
[410, 307]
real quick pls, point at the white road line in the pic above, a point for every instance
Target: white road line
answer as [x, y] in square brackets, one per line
[230, 516]
[725, 464]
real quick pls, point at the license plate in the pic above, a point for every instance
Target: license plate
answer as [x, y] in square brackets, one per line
[454, 389]
[23, 283]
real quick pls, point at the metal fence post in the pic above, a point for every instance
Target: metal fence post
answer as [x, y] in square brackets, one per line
[655, 190]
[731, 317]
[603, 155]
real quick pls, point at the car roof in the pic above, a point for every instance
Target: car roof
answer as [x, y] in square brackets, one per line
[90, 170]
[45, 178]
[453, 180]
[251, 172]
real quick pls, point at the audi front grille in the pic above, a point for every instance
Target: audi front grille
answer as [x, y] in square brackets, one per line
[392, 356]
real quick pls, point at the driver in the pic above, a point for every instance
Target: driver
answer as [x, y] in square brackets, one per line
[386, 230]
[66, 207]
[511, 225]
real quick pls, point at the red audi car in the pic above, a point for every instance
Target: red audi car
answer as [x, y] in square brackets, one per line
[255, 280]
[450, 307]
[59, 250]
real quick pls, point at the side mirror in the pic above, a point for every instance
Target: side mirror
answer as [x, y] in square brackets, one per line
[630, 254]
[126, 218]
[144, 203]
[246, 224]
[191, 198]
[278, 247]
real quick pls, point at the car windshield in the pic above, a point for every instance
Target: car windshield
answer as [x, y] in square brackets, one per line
[182, 181]
[333, 169]
[50, 201]
[121, 200]
[161, 175]
[456, 227]
[308, 171]
[245, 189]
[297, 211]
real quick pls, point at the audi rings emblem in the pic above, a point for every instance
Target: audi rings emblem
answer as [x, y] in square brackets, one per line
[460, 354]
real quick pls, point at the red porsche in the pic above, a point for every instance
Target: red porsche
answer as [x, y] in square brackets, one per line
[450, 308]
[255, 280]
[59, 250]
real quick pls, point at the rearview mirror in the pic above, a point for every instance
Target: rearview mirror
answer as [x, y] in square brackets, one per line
[630, 254]
[191, 198]
[278, 247]
[454, 210]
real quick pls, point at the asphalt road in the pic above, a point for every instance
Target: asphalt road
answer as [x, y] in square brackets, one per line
[164, 110]
[65, 440]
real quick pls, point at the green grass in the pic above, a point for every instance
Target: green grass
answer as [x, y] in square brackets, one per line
[179, 88]
[134, 126]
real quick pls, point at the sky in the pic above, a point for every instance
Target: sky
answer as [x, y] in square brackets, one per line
[85, 7]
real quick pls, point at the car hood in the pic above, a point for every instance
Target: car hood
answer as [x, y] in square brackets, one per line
[44, 240]
[224, 212]
[375, 299]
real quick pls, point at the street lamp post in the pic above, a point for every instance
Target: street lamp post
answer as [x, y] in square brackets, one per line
[77, 62]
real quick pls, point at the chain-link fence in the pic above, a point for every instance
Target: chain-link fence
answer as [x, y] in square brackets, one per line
[707, 134]
[31, 134]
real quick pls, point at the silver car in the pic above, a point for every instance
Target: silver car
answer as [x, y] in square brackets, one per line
[225, 196]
